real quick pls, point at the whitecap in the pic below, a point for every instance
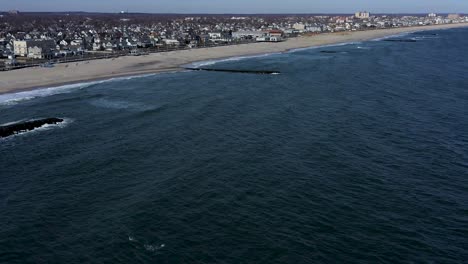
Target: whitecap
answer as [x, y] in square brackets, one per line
[13, 122]
[14, 98]
[119, 104]
[398, 35]
[153, 248]
[425, 37]
[325, 46]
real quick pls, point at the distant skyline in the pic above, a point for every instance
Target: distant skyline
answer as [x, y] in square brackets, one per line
[241, 6]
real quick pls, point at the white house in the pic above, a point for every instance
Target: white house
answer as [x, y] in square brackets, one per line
[215, 35]
[171, 42]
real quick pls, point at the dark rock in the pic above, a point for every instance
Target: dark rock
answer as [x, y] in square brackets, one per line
[235, 71]
[16, 128]
[400, 40]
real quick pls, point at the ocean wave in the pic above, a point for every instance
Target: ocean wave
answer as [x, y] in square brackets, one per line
[119, 104]
[15, 98]
[13, 122]
[425, 37]
[199, 64]
[153, 248]
[325, 46]
[404, 34]
[398, 35]
[146, 246]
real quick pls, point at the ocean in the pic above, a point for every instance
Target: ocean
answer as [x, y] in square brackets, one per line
[358, 154]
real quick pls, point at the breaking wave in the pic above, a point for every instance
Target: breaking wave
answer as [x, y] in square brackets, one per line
[14, 98]
[399, 35]
[153, 248]
[204, 63]
[148, 247]
[325, 46]
[231, 59]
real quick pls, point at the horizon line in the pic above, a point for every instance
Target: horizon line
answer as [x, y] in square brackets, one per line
[213, 13]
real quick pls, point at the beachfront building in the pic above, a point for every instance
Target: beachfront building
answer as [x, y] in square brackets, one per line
[244, 34]
[215, 35]
[220, 36]
[271, 36]
[20, 48]
[171, 42]
[299, 27]
[36, 49]
[275, 33]
[36, 52]
[362, 15]
[104, 33]
[453, 16]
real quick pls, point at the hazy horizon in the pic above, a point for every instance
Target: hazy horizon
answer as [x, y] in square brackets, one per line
[226, 13]
[241, 6]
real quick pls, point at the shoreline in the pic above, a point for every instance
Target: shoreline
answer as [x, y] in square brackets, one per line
[28, 79]
[93, 80]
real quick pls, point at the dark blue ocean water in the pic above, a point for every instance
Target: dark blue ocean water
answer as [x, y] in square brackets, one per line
[359, 156]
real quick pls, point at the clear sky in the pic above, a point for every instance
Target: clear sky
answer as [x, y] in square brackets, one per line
[240, 6]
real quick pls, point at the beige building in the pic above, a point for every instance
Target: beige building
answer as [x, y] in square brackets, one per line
[20, 48]
[362, 15]
[299, 26]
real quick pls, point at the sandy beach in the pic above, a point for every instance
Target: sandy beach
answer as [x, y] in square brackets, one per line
[30, 78]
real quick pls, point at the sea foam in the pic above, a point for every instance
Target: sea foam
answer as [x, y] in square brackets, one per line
[199, 64]
[204, 63]
[325, 46]
[399, 35]
[153, 248]
[14, 98]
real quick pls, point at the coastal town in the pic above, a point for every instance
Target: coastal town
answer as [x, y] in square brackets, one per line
[43, 39]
